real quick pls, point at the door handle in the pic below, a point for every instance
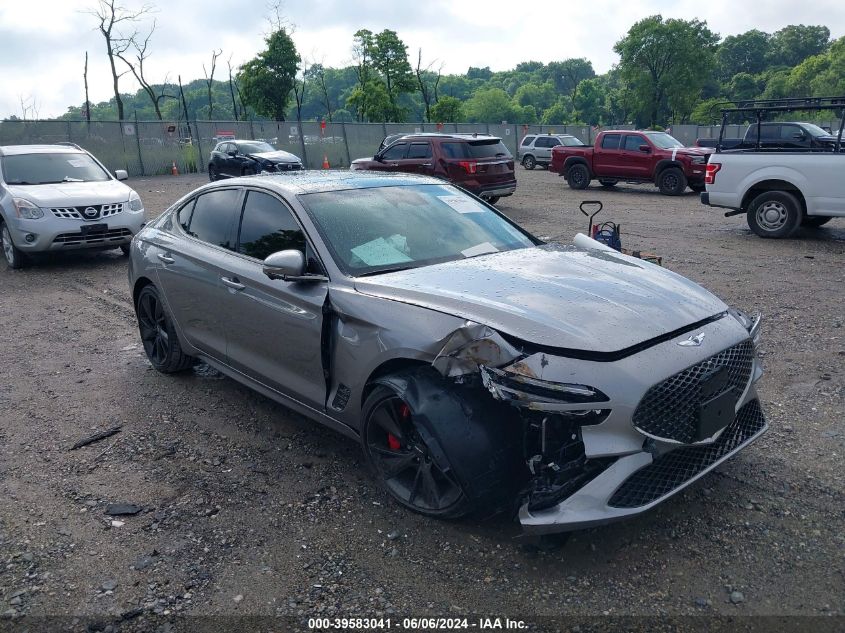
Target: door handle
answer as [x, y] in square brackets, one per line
[166, 259]
[394, 165]
[425, 164]
[234, 284]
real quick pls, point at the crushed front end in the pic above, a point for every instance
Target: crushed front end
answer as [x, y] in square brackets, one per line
[608, 437]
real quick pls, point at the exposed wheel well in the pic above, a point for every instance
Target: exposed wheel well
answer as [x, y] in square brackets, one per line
[139, 286]
[663, 166]
[773, 185]
[388, 367]
[576, 160]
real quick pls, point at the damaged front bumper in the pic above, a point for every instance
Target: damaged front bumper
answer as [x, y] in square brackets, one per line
[608, 440]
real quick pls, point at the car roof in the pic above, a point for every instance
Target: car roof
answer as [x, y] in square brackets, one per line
[318, 181]
[239, 140]
[461, 136]
[12, 150]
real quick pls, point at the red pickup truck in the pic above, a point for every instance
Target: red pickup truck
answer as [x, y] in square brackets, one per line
[633, 156]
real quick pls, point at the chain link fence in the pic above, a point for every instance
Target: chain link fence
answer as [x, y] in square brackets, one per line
[149, 148]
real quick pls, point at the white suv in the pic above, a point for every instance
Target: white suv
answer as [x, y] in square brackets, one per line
[536, 149]
[58, 198]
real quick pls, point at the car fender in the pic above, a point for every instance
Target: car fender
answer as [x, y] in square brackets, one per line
[572, 160]
[773, 172]
[664, 164]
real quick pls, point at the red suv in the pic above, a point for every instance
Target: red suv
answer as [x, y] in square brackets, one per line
[479, 163]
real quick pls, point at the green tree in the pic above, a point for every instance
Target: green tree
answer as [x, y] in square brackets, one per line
[390, 59]
[743, 53]
[371, 102]
[447, 110]
[266, 81]
[489, 105]
[796, 42]
[666, 63]
[743, 86]
[831, 80]
[541, 96]
[558, 114]
[590, 102]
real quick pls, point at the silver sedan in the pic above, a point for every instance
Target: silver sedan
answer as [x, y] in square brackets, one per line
[477, 366]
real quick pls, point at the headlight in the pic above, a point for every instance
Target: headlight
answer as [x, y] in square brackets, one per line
[26, 209]
[135, 203]
[750, 323]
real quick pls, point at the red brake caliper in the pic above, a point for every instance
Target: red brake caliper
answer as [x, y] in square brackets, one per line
[393, 441]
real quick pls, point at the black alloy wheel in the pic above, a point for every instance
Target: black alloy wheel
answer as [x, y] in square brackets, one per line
[404, 462]
[161, 344]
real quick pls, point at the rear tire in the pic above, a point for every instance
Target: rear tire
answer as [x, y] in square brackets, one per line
[578, 176]
[125, 249]
[492, 199]
[672, 182]
[529, 162]
[698, 188]
[15, 259]
[815, 221]
[774, 214]
[213, 174]
[158, 335]
[607, 183]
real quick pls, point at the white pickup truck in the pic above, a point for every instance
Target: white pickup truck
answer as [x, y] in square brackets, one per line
[779, 190]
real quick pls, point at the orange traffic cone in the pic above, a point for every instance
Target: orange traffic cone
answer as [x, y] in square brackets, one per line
[173, 170]
[326, 162]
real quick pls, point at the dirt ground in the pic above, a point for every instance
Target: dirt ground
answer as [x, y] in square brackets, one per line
[249, 509]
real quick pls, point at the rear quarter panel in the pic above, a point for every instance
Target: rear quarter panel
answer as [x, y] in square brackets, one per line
[561, 154]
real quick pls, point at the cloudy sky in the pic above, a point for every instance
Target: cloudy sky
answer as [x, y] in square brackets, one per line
[43, 42]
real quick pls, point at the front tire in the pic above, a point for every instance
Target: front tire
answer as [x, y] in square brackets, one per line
[15, 259]
[607, 183]
[125, 249]
[774, 214]
[413, 474]
[815, 221]
[158, 335]
[492, 199]
[472, 442]
[529, 162]
[672, 182]
[578, 176]
[213, 174]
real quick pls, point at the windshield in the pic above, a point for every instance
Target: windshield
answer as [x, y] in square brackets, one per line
[664, 141]
[255, 148]
[382, 229]
[815, 130]
[42, 169]
[570, 141]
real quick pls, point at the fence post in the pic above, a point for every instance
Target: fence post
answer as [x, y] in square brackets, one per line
[138, 144]
[302, 144]
[346, 142]
[200, 160]
[251, 129]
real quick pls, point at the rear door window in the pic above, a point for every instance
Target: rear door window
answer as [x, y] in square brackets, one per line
[543, 141]
[611, 141]
[419, 150]
[213, 217]
[528, 140]
[395, 152]
[268, 226]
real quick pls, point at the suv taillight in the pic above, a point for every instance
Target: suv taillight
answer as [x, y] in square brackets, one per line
[470, 166]
[710, 173]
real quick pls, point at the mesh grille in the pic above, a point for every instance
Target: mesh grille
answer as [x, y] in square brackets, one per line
[76, 213]
[670, 409]
[99, 237]
[671, 470]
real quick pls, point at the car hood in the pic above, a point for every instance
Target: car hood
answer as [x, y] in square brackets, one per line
[558, 296]
[279, 156]
[71, 194]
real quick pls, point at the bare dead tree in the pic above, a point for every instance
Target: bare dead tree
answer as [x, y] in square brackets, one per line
[427, 91]
[232, 89]
[209, 79]
[184, 106]
[317, 73]
[141, 46]
[300, 83]
[87, 102]
[110, 17]
[276, 17]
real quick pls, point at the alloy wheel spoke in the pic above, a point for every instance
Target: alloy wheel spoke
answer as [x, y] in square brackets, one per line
[430, 485]
[396, 464]
[384, 418]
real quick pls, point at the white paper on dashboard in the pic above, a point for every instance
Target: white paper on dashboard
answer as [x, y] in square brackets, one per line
[462, 204]
[379, 252]
[480, 249]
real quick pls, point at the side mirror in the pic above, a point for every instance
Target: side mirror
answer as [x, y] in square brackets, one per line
[288, 266]
[798, 137]
[645, 148]
[121, 174]
[232, 153]
[378, 158]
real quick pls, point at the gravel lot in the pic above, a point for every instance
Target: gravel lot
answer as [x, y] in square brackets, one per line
[249, 509]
